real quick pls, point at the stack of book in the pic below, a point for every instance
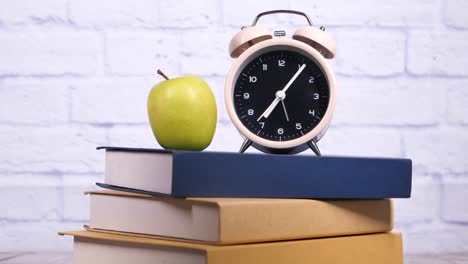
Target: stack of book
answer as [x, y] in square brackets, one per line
[213, 207]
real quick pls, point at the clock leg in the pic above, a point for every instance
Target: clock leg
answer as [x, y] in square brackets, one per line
[312, 145]
[245, 145]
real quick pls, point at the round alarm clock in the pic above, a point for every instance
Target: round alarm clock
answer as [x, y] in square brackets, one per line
[280, 92]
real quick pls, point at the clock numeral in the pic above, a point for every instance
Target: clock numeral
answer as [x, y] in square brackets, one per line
[280, 131]
[262, 124]
[298, 126]
[252, 79]
[246, 95]
[250, 112]
[311, 79]
[316, 96]
[311, 112]
[281, 63]
[265, 67]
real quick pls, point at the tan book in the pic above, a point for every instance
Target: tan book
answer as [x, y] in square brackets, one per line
[95, 247]
[237, 220]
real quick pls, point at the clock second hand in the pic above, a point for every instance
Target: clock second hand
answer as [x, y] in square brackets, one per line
[281, 94]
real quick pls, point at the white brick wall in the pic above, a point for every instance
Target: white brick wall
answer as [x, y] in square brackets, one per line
[51, 149]
[109, 13]
[452, 15]
[438, 150]
[141, 53]
[27, 11]
[34, 101]
[211, 52]
[457, 103]
[74, 74]
[428, 53]
[110, 100]
[388, 102]
[48, 52]
[392, 13]
[370, 52]
[454, 191]
[423, 207]
[186, 14]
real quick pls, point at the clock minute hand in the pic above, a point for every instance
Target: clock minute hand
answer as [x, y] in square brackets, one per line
[294, 78]
[281, 94]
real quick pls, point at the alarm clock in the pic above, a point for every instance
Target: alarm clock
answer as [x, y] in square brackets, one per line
[280, 92]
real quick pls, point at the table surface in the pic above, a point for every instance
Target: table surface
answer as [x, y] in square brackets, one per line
[66, 258]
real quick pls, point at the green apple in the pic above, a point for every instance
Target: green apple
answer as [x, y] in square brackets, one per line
[182, 113]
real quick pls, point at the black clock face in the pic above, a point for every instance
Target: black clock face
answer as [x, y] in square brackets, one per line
[281, 95]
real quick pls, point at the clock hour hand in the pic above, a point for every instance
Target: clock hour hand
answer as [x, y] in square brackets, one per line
[285, 112]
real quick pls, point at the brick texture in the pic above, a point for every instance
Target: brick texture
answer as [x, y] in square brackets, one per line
[457, 102]
[393, 13]
[370, 52]
[210, 51]
[26, 203]
[34, 102]
[141, 53]
[134, 136]
[51, 149]
[36, 236]
[361, 142]
[453, 17]
[27, 11]
[112, 13]
[436, 239]
[454, 191]
[389, 102]
[437, 150]
[424, 205]
[428, 53]
[48, 53]
[75, 74]
[183, 14]
[127, 95]
[234, 13]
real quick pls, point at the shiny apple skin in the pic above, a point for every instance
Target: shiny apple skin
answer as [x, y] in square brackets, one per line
[183, 113]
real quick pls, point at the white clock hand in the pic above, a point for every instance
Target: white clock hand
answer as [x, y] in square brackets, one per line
[270, 108]
[284, 109]
[280, 95]
[294, 78]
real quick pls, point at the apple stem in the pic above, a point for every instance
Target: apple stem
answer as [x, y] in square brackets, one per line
[162, 74]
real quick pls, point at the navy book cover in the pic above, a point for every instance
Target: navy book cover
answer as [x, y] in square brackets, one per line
[227, 174]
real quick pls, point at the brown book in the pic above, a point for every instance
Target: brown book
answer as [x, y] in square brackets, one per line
[237, 220]
[95, 247]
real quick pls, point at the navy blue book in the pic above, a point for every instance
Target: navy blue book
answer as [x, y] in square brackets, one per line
[227, 174]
